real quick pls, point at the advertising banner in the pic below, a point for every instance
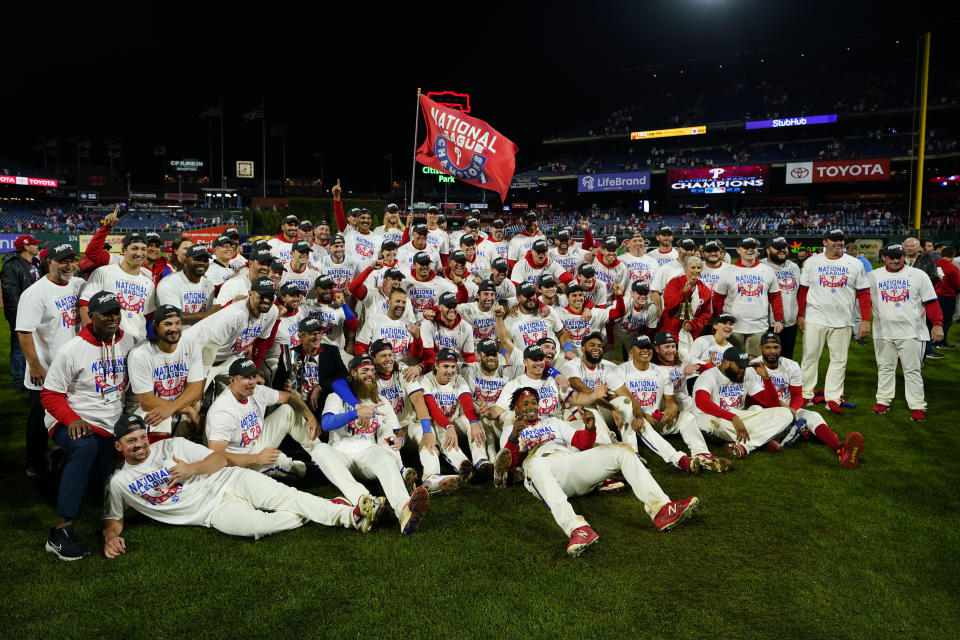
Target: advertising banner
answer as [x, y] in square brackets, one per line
[205, 235]
[633, 181]
[28, 182]
[797, 121]
[869, 169]
[719, 180]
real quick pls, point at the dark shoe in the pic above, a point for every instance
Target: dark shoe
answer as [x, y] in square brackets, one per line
[63, 543]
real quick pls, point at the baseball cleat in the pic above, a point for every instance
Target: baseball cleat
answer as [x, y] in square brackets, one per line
[482, 471]
[793, 434]
[580, 539]
[409, 475]
[772, 447]
[466, 471]
[63, 543]
[298, 467]
[673, 513]
[366, 512]
[516, 475]
[501, 466]
[441, 484]
[801, 424]
[735, 450]
[880, 408]
[714, 463]
[849, 454]
[414, 511]
[612, 484]
[834, 407]
[918, 415]
[688, 464]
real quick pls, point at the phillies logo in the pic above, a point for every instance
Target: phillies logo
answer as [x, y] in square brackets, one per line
[473, 171]
[647, 399]
[69, 318]
[171, 388]
[748, 290]
[716, 173]
[788, 284]
[159, 496]
[826, 281]
[895, 295]
[131, 302]
[357, 429]
[799, 173]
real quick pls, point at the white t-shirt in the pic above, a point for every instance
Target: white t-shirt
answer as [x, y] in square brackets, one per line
[304, 278]
[392, 234]
[577, 327]
[383, 327]
[786, 374]
[567, 261]
[547, 390]
[520, 244]
[647, 387]
[362, 247]
[641, 268]
[549, 435]
[239, 424]
[484, 323]
[353, 436]
[439, 240]
[679, 381]
[48, 311]
[611, 275]
[747, 291]
[485, 387]
[832, 285]
[280, 248]
[342, 273]
[331, 321]
[375, 305]
[238, 261]
[237, 285]
[146, 487]
[406, 253]
[661, 257]
[710, 276]
[605, 372]
[164, 374]
[897, 299]
[524, 271]
[664, 275]
[135, 293]
[706, 350]
[436, 335]
[724, 392]
[526, 330]
[232, 329]
[492, 250]
[788, 278]
[217, 273]
[178, 291]
[424, 295]
[396, 391]
[447, 396]
[479, 265]
[635, 320]
[287, 332]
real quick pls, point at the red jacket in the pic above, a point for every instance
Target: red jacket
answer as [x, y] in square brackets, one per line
[949, 285]
[672, 297]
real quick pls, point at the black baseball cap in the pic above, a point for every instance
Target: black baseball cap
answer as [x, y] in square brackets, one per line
[127, 424]
[323, 282]
[448, 300]
[468, 239]
[447, 355]
[687, 244]
[198, 252]
[131, 238]
[338, 239]
[586, 270]
[387, 244]
[472, 223]
[163, 312]
[591, 336]
[61, 252]
[547, 280]
[611, 243]
[222, 240]
[458, 256]
[301, 245]
[574, 288]
[500, 224]
[749, 243]
[640, 287]
[103, 302]
[779, 243]
[277, 266]
[231, 232]
[263, 256]
[711, 245]
[432, 209]
[533, 352]
[362, 360]
[263, 286]
[423, 258]
[487, 346]
[726, 317]
[769, 336]
[379, 345]
[392, 208]
[355, 211]
[664, 337]
[834, 234]
[526, 289]
[894, 250]
[500, 264]
[530, 215]
[540, 246]
[309, 325]
[288, 219]
[290, 289]
[665, 231]
[641, 341]
[420, 229]
[306, 225]
[734, 355]
[393, 273]
[563, 234]
[152, 236]
[545, 339]
[242, 367]
[486, 285]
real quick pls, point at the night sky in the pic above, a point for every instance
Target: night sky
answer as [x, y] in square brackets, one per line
[344, 80]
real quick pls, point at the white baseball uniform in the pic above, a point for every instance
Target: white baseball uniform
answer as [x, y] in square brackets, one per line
[177, 290]
[448, 397]
[135, 293]
[48, 311]
[165, 375]
[520, 244]
[642, 268]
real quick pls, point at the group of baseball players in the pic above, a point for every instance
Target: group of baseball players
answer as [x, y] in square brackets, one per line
[426, 360]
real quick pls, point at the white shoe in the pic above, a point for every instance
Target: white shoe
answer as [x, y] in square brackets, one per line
[414, 511]
[441, 484]
[368, 509]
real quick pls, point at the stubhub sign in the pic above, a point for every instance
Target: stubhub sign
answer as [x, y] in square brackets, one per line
[633, 181]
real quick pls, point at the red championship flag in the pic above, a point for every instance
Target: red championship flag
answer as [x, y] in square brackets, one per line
[467, 148]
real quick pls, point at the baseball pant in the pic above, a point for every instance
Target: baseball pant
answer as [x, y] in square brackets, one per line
[370, 463]
[837, 340]
[762, 424]
[89, 459]
[283, 421]
[788, 341]
[491, 433]
[560, 475]
[688, 430]
[749, 342]
[36, 435]
[239, 511]
[428, 460]
[813, 418]
[910, 353]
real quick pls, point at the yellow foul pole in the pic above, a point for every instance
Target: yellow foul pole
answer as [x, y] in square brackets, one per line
[922, 140]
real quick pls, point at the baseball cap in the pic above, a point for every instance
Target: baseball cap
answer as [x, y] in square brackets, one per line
[834, 234]
[309, 325]
[533, 352]
[441, 219]
[540, 246]
[591, 336]
[380, 345]
[337, 239]
[779, 243]
[545, 339]
[291, 219]
[222, 240]
[711, 245]
[433, 210]
[769, 336]
[526, 289]
[198, 252]
[500, 264]
[586, 270]
[574, 288]
[486, 285]
[420, 229]
[448, 300]
[446, 355]
[641, 342]
[388, 244]
[301, 245]
[487, 346]
[547, 280]
[163, 312]
[393, 273]
[306, 225]
[473, 223]
[152, 236]
[665, 231]
[231, 232]
[529, 215]
[242, 367]
[726, 317]
[263, 256]
[563, 234]
[277, 266]
[126, 424]
[893, 250]
[323, 282]
[289, 289]
[362, 360]
[737, 357]
[664, 337]
[263, 285]
[687, 244]
[468, 239]
[423, 258]
[610, 243]
[103, 302]
[748, 243]
[640, 287]
[458, 256]
[500, 224]
[354, 212]
[392, 208]
[61, 252]
[129, 239]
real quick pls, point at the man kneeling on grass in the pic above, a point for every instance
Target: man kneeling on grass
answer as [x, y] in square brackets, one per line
[176, 481]
[561, 462]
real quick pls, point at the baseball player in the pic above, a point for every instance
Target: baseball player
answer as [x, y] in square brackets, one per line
[479, 314]
[284, 333]
[610, 271]
[788, 279]
[829, 284]
[83, 397]
[568, 257]
[130, 283]
[640, 266]
[534, 264]
[361, 243]
[719, 407]
[179, 482]
[665, 251]
[522, 242]
[167, 376]
[897, 294]
[747, 290]
[188, 289]
[707, 350]
[585, 374]
[319, 247]
[579, 321]
[338, 322]
[392, 227]
[299, 270]
[528, 326]
[667, 356]
[417, 243]
[424, 288]
[240, 283]
[560, 462]
[372, 288]
[776, 382]
[446, 330]
[338, 266]
[353, 447]
[494, 246]
[396, 327]
[476, 264]
[713, 264]
[436, 236]
[220, 269]
[46, 321]
[592, 292]
[237, 261]
[506, 290]
[281, 245]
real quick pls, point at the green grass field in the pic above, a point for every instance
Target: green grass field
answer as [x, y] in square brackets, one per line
[786, 545]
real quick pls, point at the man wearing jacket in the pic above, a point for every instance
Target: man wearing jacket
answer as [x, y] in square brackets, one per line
[20, 270]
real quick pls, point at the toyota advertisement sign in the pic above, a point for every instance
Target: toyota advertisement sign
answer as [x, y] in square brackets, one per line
[870, 169]
[719, 180]
[633, 181]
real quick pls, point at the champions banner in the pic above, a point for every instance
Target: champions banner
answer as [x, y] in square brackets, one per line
[466, 148]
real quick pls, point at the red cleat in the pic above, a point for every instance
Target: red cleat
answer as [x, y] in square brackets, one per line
[735, 450]
[849, 453]
[580, 539]
[772, 447]
[672, 513]
[880, 408]
[833, 407]
[918, 415]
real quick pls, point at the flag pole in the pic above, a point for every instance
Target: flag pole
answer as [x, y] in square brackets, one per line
[416, 135]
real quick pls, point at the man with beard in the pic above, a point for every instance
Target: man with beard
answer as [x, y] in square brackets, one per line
[777, 382]
[494, 246]
[230, 333]
[640, 266]
[788, 278]
[338, 266]
[528, 326]
[713, 264]
[579, 321]
[188, 290]
[447, 331]
[375, 299]
[584, 374]
[373, 274]
[46, 321]
[281, 245]
[220, 270]
[667, 356]
[651, 410]
[299, 271]
[665, 252]
[417, 243]
[534, 265]
[285, 331]
[670, 270]
[391, 229]
[83, 397]
[561, 462]
[354, 449]
[640, 317]
[424, 287]
[610, 271]
[336, 319]
[130, 283]
[396, 328]
[522, 243]
[361, 243]
[719, 407]
[238, 285]
[178, 482]
[479, 314]
[567, 257]
[319, 248]
[167, 377]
